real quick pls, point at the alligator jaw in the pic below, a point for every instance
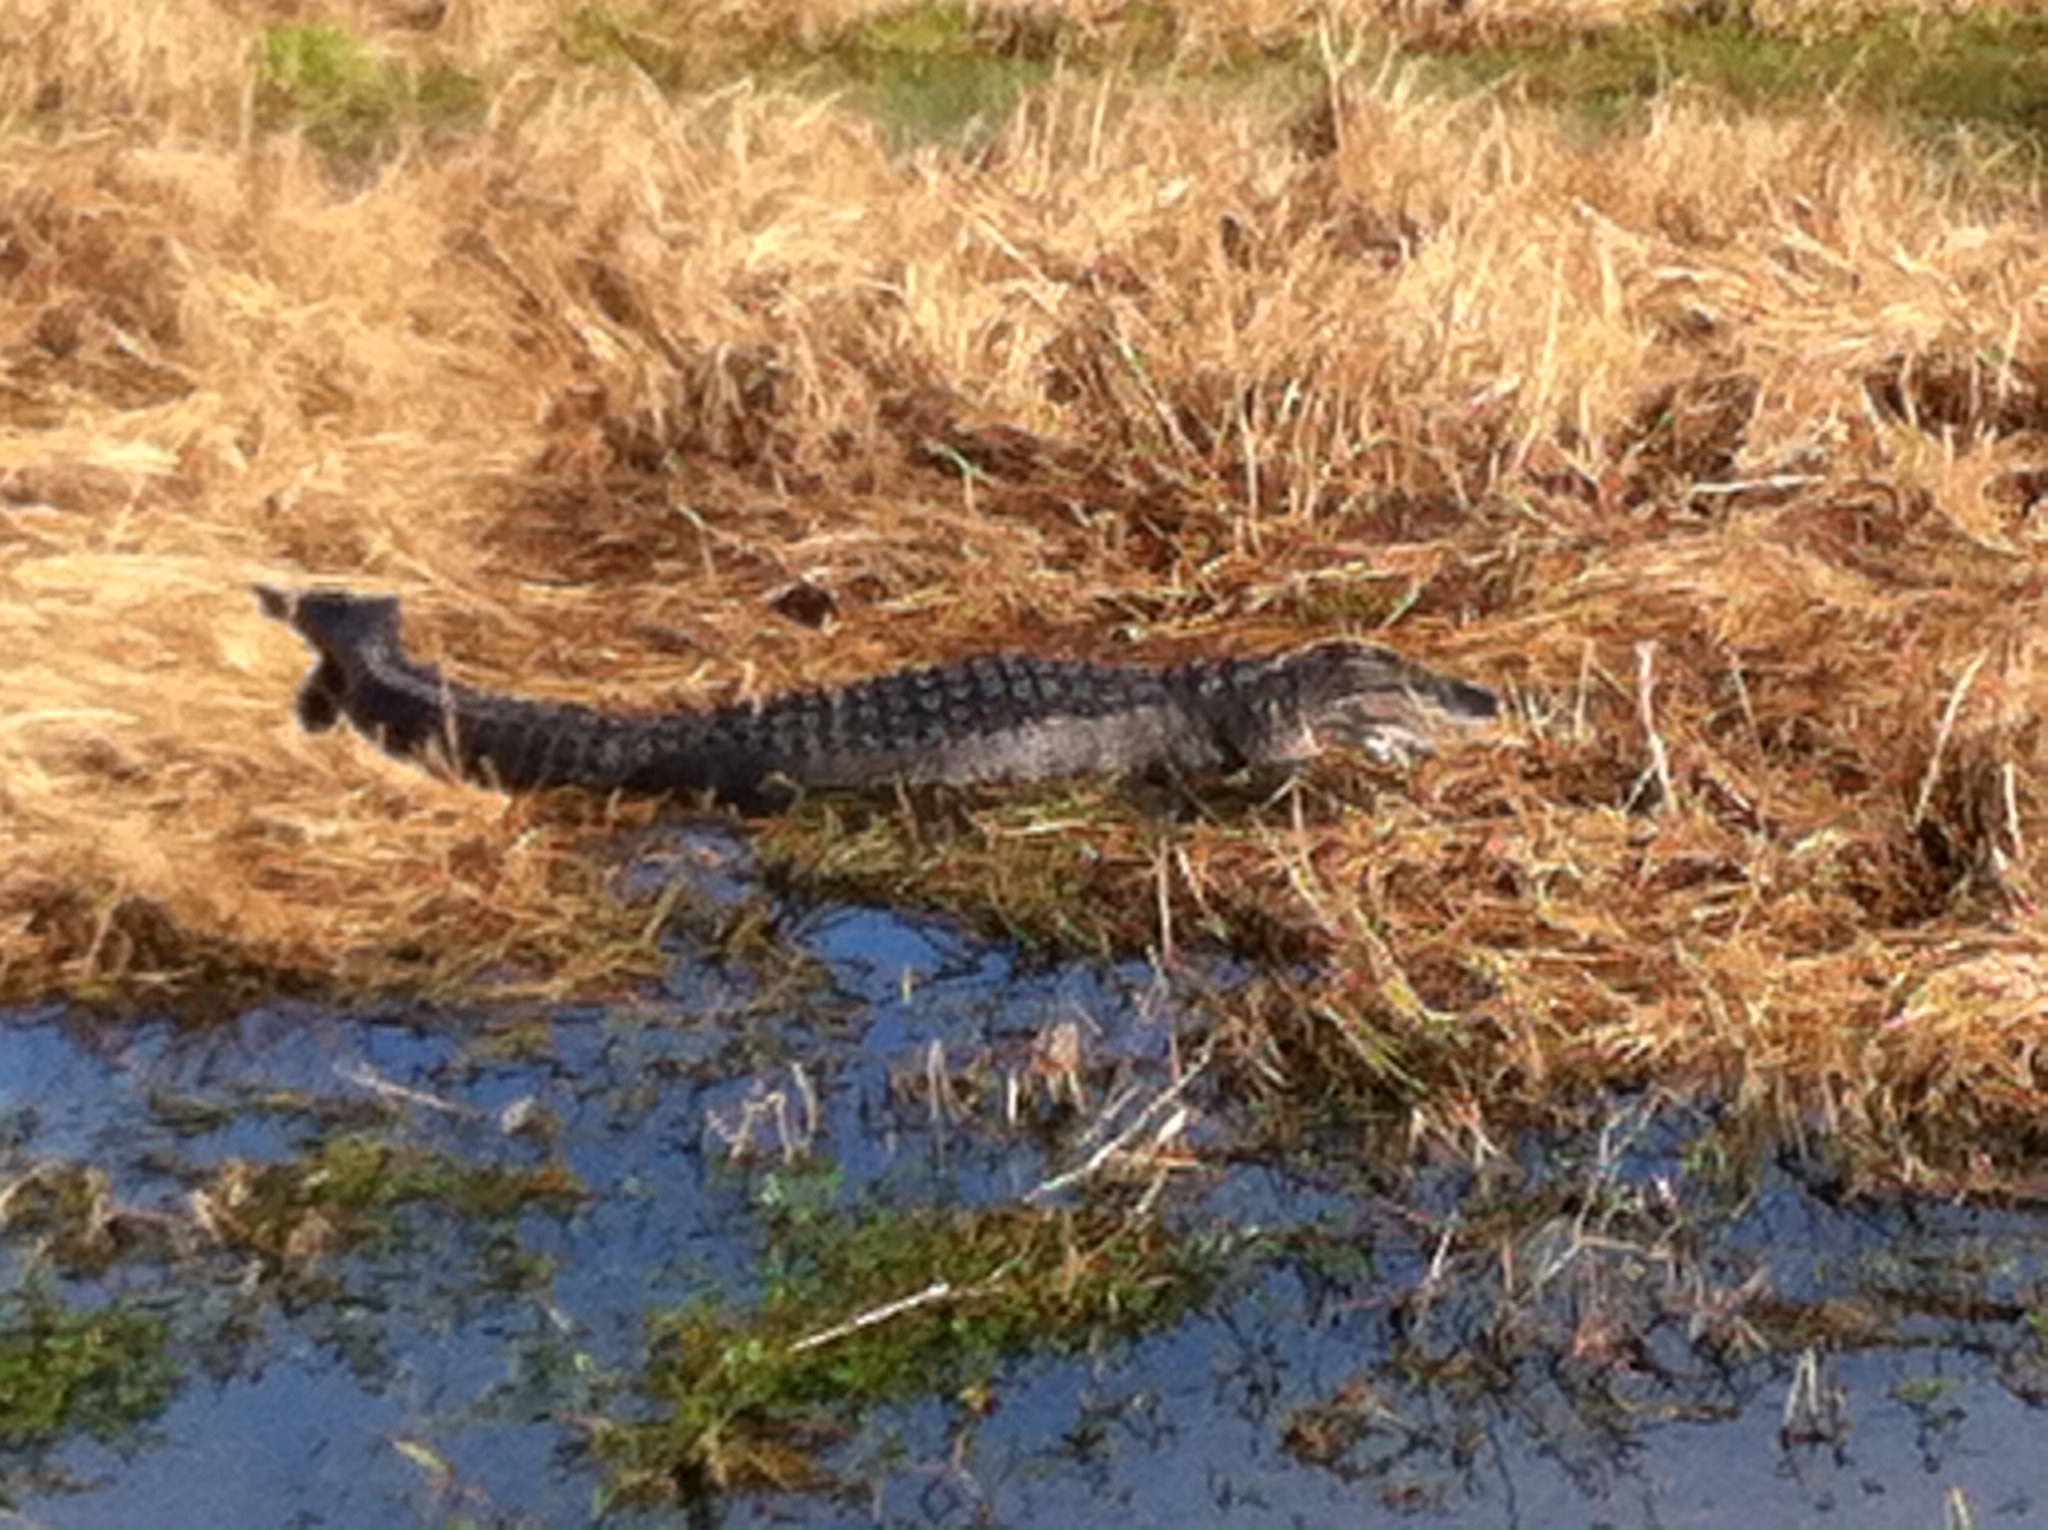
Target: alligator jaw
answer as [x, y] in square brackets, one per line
[1370, 725]
[1369, 698]
[1399, 723]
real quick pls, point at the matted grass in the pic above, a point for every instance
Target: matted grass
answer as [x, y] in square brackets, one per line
[1714, 439]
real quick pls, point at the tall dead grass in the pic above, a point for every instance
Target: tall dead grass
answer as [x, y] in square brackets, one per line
[1717, 445]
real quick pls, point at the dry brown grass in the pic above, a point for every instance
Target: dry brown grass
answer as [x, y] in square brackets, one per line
[1717, 445]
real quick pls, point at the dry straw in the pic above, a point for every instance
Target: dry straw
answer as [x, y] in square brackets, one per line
[1713, 442]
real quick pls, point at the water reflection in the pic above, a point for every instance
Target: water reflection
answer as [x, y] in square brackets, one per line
[402, 1262]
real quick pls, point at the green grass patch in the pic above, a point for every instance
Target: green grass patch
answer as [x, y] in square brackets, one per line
[927, 73]
[932, 73]
[1983, 70]
[946, 72]
[602, 36]
[355, 107]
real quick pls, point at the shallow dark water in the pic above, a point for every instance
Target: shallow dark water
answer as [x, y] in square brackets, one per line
[440, 1374]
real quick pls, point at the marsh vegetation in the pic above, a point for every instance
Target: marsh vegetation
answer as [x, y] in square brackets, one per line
[1677, 371]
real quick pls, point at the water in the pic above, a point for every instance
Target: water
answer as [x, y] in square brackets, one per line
[1598, 1337]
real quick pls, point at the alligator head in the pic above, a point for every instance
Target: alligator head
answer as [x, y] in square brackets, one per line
[1361, 696]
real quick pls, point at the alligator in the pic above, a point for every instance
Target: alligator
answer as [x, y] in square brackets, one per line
[997, 717]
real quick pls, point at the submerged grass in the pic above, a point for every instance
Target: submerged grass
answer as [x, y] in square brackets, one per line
[867, 1309]
[283, 1219]
[64, 1371]
[1714, 440]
